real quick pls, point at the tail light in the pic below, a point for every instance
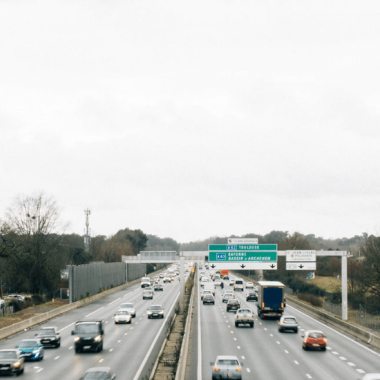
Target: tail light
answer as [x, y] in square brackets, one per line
[283, 322]
[324, 339]
[237, 317]
[262, 305]
[252, 316]
[216, 369]
[282, 305]
[238, 369]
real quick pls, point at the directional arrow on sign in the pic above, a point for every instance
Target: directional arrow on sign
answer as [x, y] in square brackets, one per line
[273, 266]
[243, 266]
[212, 266]
[301, 266]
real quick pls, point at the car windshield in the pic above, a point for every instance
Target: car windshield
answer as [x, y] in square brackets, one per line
[46, 332]
[126, 306]
[315, 335]
[228, 362]
[28, 343]
[155, 308]
[123, 313]
[97, 375]
[208, 296]
[245, 311]
[233, 301]
[289, 320]
[228, 295]
[8, 355]
[87, 328]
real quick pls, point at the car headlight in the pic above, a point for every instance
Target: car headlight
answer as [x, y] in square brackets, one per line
[116, 319]
[149, 312]
[76, 339]
[98, 338]
[36, 351]
[161, 312]
[17, 364]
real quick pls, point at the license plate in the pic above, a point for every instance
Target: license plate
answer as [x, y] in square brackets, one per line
[4, 368]
[155, 315]
[316, 345]
[86, 347]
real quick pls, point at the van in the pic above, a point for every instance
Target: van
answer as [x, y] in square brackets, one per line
[239, 284]
[145, 281]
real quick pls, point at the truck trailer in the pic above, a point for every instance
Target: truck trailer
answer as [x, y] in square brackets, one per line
[270, 299]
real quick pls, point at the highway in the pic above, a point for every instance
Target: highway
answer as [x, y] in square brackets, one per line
[268, 354]
[125, 345]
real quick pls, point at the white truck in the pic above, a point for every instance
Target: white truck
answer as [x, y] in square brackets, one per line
[145, 281]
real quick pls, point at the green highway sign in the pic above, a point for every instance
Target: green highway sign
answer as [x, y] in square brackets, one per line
[242, 247]
[242, 256]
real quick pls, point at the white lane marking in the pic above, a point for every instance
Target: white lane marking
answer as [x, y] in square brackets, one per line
[131, 328]
[295, 361]
[248, 370]
[113, 301]
[66, 327]
[335, 353]
[229, 327]
[330, 328]
[235, 339]
[232, 332]
[329, 348]
[238, 347]
[243, 357]
[93, 312]
[342, 358]
[271, 334]
[125, 333]
[127, 294]
[286, 352]
[118, 341]
[57, 357]
[308, 376]
[40, 370]
[101, 360]
[138, 373]
[278, 342]
[70, 347]
[265, 328]
[111, 350]
[351, 364]
[360, 370]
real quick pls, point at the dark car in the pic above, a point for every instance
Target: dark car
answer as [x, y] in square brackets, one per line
[89, 335]
[251, 296]
[31, 349]
[49, 337]
[233, 304]
[208, 298]
[155, 311]
[99, 373]
[158, 287]
[11, 362]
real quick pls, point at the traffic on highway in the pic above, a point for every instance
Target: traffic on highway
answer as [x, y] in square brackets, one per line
[112, 337]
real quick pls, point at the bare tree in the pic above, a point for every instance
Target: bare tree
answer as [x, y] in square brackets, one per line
[33, 225]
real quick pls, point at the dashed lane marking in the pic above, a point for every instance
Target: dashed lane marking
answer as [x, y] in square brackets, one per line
[295, 361]
[238, 347]
[101, 360]
[360, 370]
[57, 357]
[286, 352]
[351, 364]
[342, 358]
[335, 353]
[308, 376]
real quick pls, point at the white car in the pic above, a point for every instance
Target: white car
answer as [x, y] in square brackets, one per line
[123, 317]
[204, 292]
[244, 316]
[249, 285]
[232, 282]
[166, 279]
[128, 307]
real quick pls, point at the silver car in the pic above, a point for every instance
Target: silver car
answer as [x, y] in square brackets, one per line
[288, 323]
[147, 294]
[371, 376]
[243, 317]
[227, 296]
[123, 317]
[226, 367]
[128, 307]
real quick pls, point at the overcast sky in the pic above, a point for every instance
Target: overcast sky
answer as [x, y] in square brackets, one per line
[190, 119]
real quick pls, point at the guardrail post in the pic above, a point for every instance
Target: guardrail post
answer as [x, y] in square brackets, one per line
[182, 282]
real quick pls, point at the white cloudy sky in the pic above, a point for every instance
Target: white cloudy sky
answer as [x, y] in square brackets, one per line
[189, 119]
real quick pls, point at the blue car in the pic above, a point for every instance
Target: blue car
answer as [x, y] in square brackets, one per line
[31, 349]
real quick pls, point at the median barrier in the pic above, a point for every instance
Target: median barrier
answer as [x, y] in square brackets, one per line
[29, 323]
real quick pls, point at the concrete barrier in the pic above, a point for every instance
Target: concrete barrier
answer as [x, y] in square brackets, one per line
[27, 324]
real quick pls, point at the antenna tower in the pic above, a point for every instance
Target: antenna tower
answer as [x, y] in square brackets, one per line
[87, 237]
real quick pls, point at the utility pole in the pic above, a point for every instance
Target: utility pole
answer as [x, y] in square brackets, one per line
[87, 231]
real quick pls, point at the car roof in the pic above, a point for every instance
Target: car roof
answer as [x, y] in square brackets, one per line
[226, 357]
[48, 327]
[30, 340]
[313, 331]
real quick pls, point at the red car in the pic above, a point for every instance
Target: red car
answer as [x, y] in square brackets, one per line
[314, 339]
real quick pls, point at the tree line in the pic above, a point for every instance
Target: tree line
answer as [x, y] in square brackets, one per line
[34, 249]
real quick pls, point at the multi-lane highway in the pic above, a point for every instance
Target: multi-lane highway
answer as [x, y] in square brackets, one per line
[125, 345]
[269, 354]
[264, 351]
